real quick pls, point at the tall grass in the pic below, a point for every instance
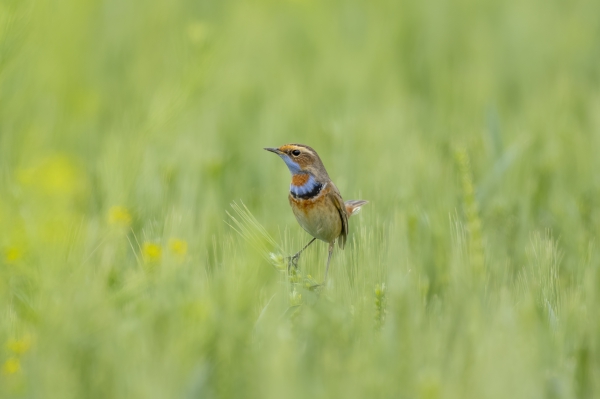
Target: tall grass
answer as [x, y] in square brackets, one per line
[128, 128]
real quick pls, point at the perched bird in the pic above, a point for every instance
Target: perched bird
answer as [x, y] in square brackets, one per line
[315, 200]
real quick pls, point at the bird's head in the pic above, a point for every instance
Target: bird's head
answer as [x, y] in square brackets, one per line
[301, 158]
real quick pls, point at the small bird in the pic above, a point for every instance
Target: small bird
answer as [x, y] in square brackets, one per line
[315, 200]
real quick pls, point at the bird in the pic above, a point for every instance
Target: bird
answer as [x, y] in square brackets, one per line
[315, 200]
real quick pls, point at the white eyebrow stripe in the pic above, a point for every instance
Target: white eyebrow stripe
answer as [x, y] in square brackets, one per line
[304, 148]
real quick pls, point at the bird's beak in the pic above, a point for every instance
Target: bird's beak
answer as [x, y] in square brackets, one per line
[275, 150]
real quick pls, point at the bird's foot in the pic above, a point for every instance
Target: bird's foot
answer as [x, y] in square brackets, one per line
[316, 288]
[293, 261]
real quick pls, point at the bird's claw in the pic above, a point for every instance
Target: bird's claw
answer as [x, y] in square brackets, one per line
[293, 261]
[317, 288]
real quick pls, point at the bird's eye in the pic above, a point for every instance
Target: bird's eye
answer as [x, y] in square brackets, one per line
[296, 153]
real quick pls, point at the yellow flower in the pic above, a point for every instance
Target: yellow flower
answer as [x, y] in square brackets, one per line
[12, 255]
[152, 252]
[178, 247]
[19, 346]
[57, 175]
[119, 216]
[295, 298]
[11, 366]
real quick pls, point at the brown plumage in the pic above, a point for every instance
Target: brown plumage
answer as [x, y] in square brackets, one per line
[315, 200]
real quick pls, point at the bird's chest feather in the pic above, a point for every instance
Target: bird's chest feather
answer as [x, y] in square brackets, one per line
[304, 186]
[317, 214]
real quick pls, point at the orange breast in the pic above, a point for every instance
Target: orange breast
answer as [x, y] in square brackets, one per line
[300, 179]
[318, 216]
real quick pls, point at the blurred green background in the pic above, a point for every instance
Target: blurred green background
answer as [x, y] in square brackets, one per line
[127, 128]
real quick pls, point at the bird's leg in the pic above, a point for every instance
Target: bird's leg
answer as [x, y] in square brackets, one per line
[293, 260]
[328, 260]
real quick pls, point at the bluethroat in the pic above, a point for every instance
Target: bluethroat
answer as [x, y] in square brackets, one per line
[315, 200]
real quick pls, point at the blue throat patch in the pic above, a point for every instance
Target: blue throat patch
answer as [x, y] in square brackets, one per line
[292, 166]
[308, 190]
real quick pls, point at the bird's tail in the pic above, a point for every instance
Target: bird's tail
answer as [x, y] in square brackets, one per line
[353, 206]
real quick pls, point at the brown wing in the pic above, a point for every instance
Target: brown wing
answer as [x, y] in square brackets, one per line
[337, 200]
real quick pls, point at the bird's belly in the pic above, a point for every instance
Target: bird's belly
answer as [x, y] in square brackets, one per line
[318, 216]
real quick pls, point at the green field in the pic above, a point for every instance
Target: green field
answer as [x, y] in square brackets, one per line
[143, 228]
